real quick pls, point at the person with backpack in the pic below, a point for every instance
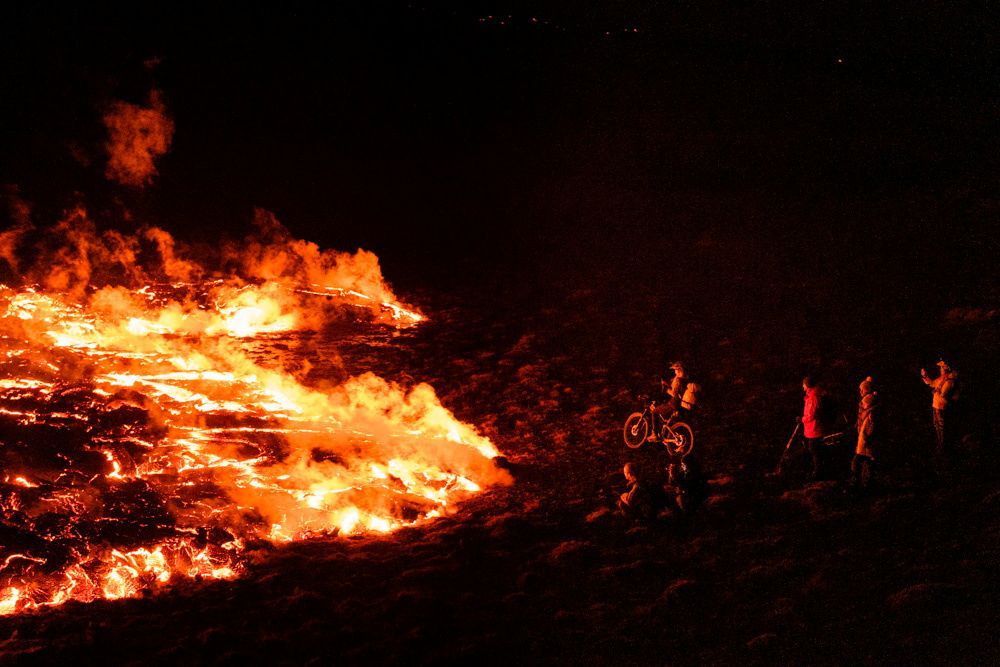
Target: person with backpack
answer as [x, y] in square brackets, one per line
[678, 398]
[944, 393]
[813, 423]
[869, 431]
[682, 392]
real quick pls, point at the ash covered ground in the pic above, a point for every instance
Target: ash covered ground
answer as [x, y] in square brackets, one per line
[574, 205]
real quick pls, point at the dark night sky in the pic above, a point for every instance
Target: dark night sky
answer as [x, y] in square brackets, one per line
[440, 138]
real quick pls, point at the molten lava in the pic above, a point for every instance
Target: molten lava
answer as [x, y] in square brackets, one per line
[157, 421]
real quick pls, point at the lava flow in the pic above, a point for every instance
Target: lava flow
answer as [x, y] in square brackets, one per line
[147, 432]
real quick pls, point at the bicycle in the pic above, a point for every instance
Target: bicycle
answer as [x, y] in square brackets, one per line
[677, 437]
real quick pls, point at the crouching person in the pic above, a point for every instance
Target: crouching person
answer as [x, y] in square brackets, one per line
[636, 502]
[869, 423]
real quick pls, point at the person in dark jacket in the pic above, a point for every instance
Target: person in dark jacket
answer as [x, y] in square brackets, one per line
[869, 431]
[686, 483]
[636, 502]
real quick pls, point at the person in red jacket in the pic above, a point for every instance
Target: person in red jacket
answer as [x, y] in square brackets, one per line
[813, 428]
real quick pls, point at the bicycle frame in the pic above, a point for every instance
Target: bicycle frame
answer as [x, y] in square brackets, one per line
[650, 415]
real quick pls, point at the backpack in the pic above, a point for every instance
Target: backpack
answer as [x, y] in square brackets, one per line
[690, 397]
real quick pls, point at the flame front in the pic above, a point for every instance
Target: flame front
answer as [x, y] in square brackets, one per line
[157, 410]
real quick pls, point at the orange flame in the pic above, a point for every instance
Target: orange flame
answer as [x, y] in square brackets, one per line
[235, 442]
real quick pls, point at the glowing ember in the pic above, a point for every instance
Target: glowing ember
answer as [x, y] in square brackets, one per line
[147, 430]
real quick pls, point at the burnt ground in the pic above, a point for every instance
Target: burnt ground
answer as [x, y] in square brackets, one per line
[767, 570]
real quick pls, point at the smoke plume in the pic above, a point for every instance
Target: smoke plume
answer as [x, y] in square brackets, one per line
[137, 135]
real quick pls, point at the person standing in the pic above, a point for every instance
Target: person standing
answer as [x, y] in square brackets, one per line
[685, 483]
[943, 393]
[813, 428]
[868, 425]
[682, 393]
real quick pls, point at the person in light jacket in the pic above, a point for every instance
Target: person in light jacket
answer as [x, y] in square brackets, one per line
[944, 391]
[681, 394]
[869, 426]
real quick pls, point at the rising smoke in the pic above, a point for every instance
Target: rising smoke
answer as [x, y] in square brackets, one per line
[137, 136]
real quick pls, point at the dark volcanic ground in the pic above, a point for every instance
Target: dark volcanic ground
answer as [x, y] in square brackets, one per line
[543, 571]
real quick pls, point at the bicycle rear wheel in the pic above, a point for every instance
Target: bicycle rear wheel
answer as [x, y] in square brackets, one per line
[682, 441]
[636, 430]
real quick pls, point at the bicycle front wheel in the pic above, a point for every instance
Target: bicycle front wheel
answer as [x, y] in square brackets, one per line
[636, 430]
[682, 441]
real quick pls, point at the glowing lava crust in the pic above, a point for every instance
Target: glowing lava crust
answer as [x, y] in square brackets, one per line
[145, 436]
